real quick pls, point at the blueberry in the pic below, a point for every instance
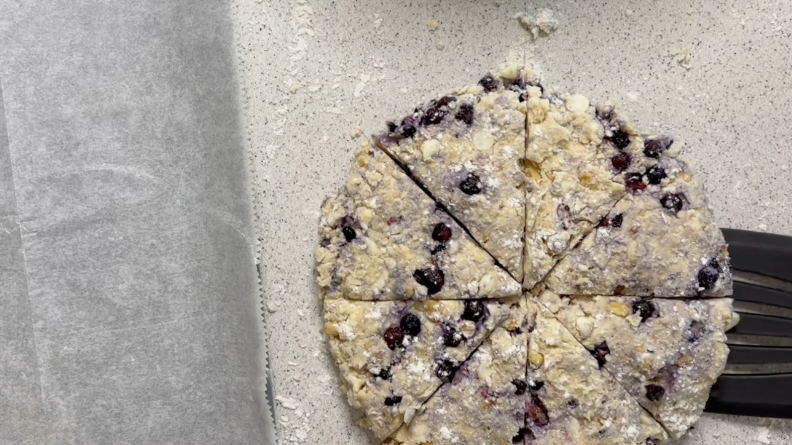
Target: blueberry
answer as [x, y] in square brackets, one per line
[621, 161]
[651, 441]
[653, 147]
[489, 83]
[441, 232]
[471, 185]
[446, 100]
[432, 279]
[620, 139]
[673, 201]
[536, 386]
[654, 392]
[407, 128]
[536, 411]
[349, 233]
[437, 249]
[384, 374]
[391, 127]
[600, 351]
[451, 337]
[617, 221]
[655, 174]
[465, 114]
[445, 370]
[395, 400]
[708, 275]
[393, 337]
[410, 324]
[643, 307]
[521, 386]
[518, 85]
[474, 311]
[633, 182]
[433, 115]
[696, 331]
[572, 403]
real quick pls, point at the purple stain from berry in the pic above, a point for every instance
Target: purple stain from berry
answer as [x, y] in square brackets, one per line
[393, 337]
[536, 411]
[395, 400]
[672, 201]
[655, 174]
[709, 274]
[441, 232]
[432, 279]
[620, 139]
[410, 324]
[471, 185]
[655, 146]
[654, 392]
[633, 182]
[465, 113]
[451, 337]
[620, 161]
[600, 352]
[696, 330]
[475, 311]
[445, 371]
[572, 403]
[643, 307]
[521, 386]
[489, 83]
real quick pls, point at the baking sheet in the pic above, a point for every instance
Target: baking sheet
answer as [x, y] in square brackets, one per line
[715, 75]
[128, 284]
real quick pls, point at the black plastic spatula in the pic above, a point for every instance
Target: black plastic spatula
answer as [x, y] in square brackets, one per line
[758, 377]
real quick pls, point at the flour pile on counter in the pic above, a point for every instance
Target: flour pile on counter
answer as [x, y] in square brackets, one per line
[510, 264]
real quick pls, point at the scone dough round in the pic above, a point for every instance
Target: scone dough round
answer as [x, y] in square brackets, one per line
[512, 265]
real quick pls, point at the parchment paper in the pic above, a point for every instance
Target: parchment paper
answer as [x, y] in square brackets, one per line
[129, 309]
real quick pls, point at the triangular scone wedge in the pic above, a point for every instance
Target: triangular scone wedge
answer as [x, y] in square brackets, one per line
[667, 353]
[393, 355]
[466, 149]
[570, 161]
[660, 240]
[383, 238]
[573, 400]
[484, 404]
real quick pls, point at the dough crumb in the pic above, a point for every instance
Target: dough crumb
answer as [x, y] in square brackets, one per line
[440, 46]
[432, 24]
[543, 24]
[763, 436]
[286, 402]
[271, 308]
[682, 58]
[357, 132]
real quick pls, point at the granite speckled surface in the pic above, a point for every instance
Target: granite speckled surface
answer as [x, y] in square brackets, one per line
[312, 71]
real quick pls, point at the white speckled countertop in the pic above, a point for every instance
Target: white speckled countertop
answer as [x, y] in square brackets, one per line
[314, 70]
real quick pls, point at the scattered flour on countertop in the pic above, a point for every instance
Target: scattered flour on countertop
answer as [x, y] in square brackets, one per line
[763, 436]
[364, 78]
[542, 24]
